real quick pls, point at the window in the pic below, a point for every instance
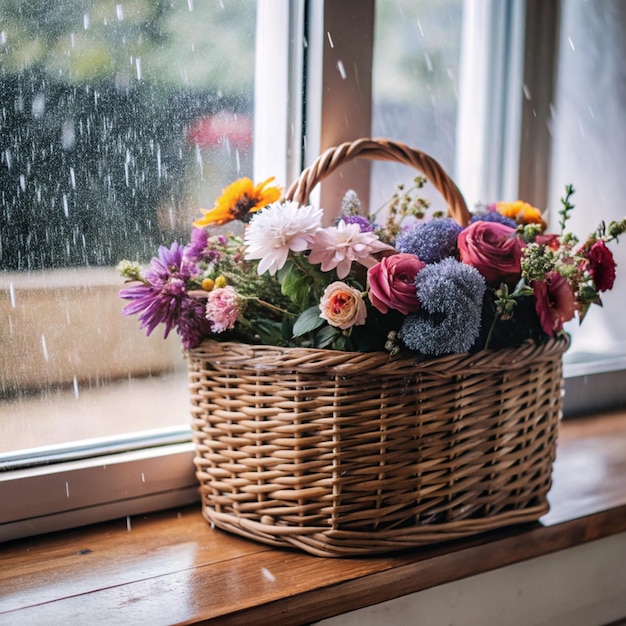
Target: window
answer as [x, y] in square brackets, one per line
[121, 119]
[589, 143]
[417, 53]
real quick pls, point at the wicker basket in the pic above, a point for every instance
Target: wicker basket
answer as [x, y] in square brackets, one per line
[343, 453]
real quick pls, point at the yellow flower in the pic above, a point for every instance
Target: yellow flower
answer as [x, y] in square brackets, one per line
[521, 212]
[238, 200]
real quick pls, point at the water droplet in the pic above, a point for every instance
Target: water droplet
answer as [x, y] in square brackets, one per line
[85, 21]
[267, 574]
[44, 348]
[67, 489]
[12, 294]
[128, 527]
[138, 67]
[119, 10]
[571, 43]
[330, 39]
[76, 393]
[342, 70]
[39, 105]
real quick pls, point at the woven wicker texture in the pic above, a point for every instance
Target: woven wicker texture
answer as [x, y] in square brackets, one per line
[342, 453]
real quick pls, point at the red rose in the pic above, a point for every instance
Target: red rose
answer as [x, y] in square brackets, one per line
[392, 283]
[602, 266]
[494, 250]
[555, 302]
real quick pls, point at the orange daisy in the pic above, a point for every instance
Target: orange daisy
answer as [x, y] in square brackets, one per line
[238, 200]
[521, 212]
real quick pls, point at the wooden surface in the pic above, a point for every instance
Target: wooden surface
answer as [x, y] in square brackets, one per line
[171, 568]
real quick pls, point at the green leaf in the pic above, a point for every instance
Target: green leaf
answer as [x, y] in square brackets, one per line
[309, 320]
[327, 336]
[297, 287]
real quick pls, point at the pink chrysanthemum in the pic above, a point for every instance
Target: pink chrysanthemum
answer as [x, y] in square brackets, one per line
[222, 308]
[338, 246]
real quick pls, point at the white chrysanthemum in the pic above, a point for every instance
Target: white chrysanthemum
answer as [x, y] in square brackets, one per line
[278, 228]
[338, 246]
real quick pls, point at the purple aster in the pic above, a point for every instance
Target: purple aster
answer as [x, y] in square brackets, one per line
[158, 300]
[364, 224]
[431, 241]
[194, 250]
[451, 295]
[192, 323]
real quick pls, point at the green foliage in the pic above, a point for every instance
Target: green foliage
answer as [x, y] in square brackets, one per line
[308, 321]
[173, 44]
[567, 207]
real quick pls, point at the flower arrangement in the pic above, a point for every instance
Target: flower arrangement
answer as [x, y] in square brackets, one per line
[418, 283]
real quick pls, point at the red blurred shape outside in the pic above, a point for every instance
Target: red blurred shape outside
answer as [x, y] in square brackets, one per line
[213, 131]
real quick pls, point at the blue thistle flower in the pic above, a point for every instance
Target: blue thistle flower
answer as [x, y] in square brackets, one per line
[431, 241]
[451, 294]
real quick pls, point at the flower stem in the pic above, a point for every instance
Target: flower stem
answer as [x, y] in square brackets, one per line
[269, 306]
[490, 333]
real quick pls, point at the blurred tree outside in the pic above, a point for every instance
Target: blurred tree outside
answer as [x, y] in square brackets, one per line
[118, 119]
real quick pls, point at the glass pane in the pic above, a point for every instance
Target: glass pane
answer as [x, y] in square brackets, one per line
[589, 149]
[119, 119]
[415, 80]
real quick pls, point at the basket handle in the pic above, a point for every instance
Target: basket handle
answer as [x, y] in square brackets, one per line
[380, 150]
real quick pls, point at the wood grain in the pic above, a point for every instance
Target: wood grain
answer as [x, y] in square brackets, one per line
[172, 568]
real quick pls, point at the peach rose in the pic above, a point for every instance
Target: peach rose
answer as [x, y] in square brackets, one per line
[342, 306]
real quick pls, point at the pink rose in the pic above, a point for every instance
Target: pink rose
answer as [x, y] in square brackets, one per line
[555, 302]
[342, 306]
[222, 308]
[494, 250]
[602, 266]
[392, 283]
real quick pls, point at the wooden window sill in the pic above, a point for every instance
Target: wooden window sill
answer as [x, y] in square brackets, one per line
[171, 567]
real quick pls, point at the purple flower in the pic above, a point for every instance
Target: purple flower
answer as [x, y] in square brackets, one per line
[431, 241]
[493, 216]
[159, 299]
[195, 249]
[192, 324]
[364, 224]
